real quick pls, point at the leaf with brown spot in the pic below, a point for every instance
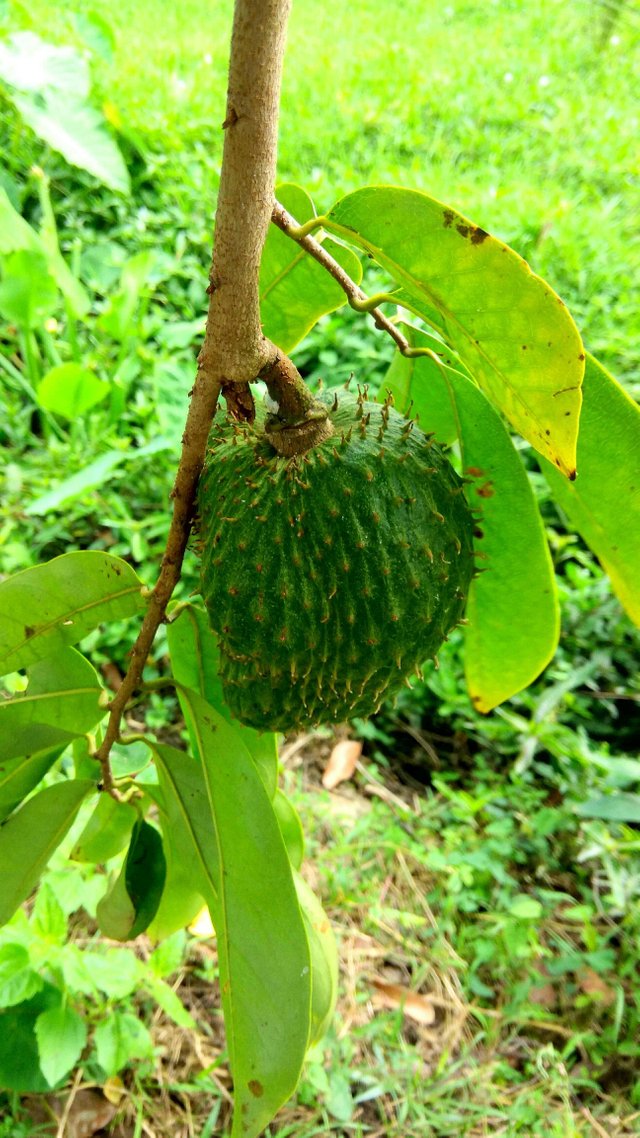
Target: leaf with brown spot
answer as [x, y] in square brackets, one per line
[484, 300]
[342, 763]
[413, 1004]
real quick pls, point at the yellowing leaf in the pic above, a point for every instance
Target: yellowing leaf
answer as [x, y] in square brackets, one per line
[507, 325]
[604, 502]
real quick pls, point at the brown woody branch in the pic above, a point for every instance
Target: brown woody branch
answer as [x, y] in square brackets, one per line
[234, 349]
[357, 298]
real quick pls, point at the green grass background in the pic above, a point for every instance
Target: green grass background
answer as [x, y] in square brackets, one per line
[523, 115]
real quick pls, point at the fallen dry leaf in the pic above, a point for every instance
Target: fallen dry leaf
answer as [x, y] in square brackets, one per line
[594, 986]
[113, 1089]
[89, 1112]
[544, 995]
[417, 1007]
[342, 763]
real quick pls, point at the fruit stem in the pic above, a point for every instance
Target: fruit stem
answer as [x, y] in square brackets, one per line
[297, 421]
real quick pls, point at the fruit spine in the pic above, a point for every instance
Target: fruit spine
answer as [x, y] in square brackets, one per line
[329, 577]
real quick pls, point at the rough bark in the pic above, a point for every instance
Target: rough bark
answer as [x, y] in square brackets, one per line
[234, 349]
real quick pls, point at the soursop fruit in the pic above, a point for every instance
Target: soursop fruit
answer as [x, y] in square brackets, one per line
[331, 576]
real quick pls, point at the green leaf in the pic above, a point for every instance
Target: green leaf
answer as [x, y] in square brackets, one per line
[181, 900]
[604, 502]
[195, 662]
[97, 33]
[94, 474]
[132, 902]
[324, 961]
[61, 1034]
[107, 831]
[28, 294]
[78, 132]
[29, 837]
[145, 872]
[507, 325]
[49, 606]
[18, 980]
[61, 702]
[19, 776]
[119, 1040]
[115, 912]
[19, 1060]
[117, 972]
[48, 919]
[620, 807]
[118, 318]
[512, 607]
[295, 291]
[525, 908]
[30, 64]
[168, 957]
[290, 828]
[171, 1005]
[17, 234]
[70, 390]
[263, 949]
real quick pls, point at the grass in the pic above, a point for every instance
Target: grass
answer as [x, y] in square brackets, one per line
[471, 878]
[523, 116]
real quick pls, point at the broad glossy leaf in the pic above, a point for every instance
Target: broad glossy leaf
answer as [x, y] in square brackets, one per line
[604, 502]
[78, 132]
[19, 776]
[290, 828]
[70, 390]
[411, 390]
[16, 234]
[324, 961]
[295, 291]
[182, 898]
[60, 703]
[512, 607]
[29, 837]
[61, 1034]
[508, 326]
[107, 831]
[45, 608]
[263, 950]
[145, 873]
[195, 663]
[132, 902]
[30, 64]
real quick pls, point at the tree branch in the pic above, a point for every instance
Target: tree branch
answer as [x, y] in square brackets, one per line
[234, 349]
[355, 295]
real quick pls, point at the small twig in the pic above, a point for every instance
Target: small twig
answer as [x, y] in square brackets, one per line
[593, 1122]
[64, 1117]
[356, 297]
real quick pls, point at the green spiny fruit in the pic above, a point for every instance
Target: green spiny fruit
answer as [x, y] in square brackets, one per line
[331, 576]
